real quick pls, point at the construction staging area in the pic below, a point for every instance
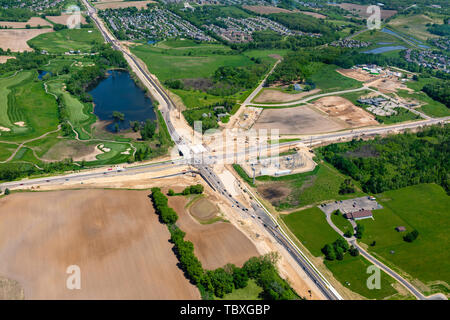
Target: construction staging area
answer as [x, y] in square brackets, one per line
[298, 161]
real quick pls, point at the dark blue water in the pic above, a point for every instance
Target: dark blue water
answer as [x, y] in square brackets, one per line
[42, 73]
[385, 49]
[119, 92]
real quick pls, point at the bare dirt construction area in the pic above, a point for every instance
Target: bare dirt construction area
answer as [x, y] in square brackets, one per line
[16, 39]
[62, 19]
[357, 74]
[3, 59]
[215, 244]
[388, 85]
[76, 150]
[361, 10]
[266, 9]
[297, 120]
[272, 95]
[122, 4]
[114, 236]
[33, 22]
[343, 109]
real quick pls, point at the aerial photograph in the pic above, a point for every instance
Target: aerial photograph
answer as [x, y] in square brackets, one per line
[225, 154]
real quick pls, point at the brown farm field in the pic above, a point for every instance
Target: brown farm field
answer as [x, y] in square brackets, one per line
[361, 10]
[33, 22]
[62, 19]
[268, 95]
[121, 4]
[215, 244]
[297, 120]
[114, 236]
[3, 59]
[16, 39]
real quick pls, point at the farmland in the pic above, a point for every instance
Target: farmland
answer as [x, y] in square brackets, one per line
[122, 249]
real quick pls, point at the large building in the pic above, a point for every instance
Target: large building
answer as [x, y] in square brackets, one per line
[358, 215]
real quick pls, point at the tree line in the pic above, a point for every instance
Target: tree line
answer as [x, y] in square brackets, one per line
[221, 281]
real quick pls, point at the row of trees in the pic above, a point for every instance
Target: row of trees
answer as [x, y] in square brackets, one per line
[396, 161]
[224, 280]
[439, 91]
[13, 171]
[337, 249]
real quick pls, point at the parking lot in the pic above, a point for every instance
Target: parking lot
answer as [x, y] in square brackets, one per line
[351, 205]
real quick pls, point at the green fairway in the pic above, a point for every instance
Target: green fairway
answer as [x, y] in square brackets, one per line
[250, 292]
[423, 207]
[28, 102]
[311, 228]
[186, 62]
[312, 187]
[67, 39]
[6, 150]
[5, 90]
[74, 107]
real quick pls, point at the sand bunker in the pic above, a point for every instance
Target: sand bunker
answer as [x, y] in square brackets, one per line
[342, 109]
[114, 236]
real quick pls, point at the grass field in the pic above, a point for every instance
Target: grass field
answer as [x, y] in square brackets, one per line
[414, 25]
[194, 61]
[423, 207]
[379, 38]
[342, 223]
[326, 78]
[67, 39]
[311, 228]
[402, 115]
[5, 90]
[250, 292]
[430, 107]
[313, 187]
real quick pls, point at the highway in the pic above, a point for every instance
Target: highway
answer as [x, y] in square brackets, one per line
[257, 210]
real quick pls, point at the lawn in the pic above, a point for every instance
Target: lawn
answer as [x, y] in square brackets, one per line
[342, 223]
[250, 292]
[5, 90]
[6, 150]
[312, 187]
[352, 273]
[311, 228]
[67, 39]
[423, 207]
[402, 115]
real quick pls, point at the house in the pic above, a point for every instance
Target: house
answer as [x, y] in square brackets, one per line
[400, 228]
[358, 215]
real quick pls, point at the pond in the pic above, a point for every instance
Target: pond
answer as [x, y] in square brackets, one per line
[118, 92]
[385, 49]
[42, 73]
